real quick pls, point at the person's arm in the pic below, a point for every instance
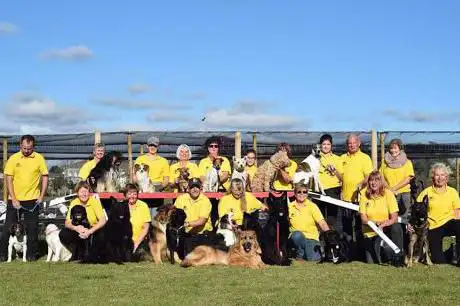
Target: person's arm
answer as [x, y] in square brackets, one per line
[364, 218]
[457, 213]
[76, 228]
[196, 223]
[284, 176]
[144, 231]
[323, 225]
[45, 180]
[223, 176]
[100, 223]
[401, 184]
[393, 219]
[9, 183]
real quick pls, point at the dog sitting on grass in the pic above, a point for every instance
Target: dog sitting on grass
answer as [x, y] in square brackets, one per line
[418, 249]
[18, 241]
[157, 234]
[266, 173]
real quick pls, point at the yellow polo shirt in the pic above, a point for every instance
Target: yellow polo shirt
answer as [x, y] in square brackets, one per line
[195, 209]
[205, 166]
[327, 179]
[251, 171]
[355, 168]
[377, 209]
[94, 210]
[140, 214]
[305, 219]
[158, 166]
[85, 170]
[174, 171]
[26, 173]
[440, 205]
[395, 175]
[278, 185]
[228, 204]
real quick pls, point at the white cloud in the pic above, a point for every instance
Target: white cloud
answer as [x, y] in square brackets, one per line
[136, 89]
[7, 28]
[422, 117]
[128, 104]
[169, 117]
[78, 52]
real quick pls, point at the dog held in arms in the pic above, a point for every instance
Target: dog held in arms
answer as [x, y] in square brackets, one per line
[157, 234]
[308, 171]
[142, 178]
[18, 241]
[184, 175]
[56, 251]
[239, 172]
[418, 241]
[244, 253]
[265, 174]
[212, 183]
[107, 175]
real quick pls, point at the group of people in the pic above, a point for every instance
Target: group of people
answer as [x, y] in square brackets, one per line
[383, 196]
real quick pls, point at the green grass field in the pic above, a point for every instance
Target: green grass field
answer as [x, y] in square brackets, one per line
[303, 283]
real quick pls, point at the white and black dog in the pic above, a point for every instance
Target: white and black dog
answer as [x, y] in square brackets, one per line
[143, 179]
[107, 175]
[56, 251]
[227, 229]
[212, 183]
[309, 170]
[17, 241]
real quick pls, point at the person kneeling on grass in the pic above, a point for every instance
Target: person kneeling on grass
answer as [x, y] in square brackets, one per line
[305, 218]
[378, 204]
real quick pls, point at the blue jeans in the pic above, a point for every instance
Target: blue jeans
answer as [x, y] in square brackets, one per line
[305, 248]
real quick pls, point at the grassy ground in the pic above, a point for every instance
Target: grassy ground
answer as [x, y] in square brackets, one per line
[303, 283]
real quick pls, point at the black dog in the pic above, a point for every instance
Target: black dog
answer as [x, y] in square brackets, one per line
[334, 249]
[175, 233]
[111, 160]
[78, 217]
[272, 230]
[418, 242]
[119, 232]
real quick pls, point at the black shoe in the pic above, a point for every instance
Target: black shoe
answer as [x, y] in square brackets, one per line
[2, 259]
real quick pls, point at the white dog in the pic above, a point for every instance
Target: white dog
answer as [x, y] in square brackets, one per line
[143, 179]
[226, 230]
[17, 241]
[311, 166]
[56, 250]
[212, 178]
[239, 170]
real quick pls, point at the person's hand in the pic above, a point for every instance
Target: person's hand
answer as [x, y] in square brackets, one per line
[264, 207]
[16, 203]
[409, 228]
[80, 229]
[136, 245]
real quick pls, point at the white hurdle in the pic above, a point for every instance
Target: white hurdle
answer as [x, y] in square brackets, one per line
[355, 207]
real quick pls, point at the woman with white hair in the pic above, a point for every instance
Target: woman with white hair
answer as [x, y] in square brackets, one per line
[443, 211]
[183, 154]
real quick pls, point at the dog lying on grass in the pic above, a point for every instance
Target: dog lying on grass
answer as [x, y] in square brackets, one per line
[333, 248]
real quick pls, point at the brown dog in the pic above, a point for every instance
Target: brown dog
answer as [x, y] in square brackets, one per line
[244, 253]
[184, 175]
[157, 242]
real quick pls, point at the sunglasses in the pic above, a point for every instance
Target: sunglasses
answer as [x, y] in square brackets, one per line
[301, 192]
[152, 145]
[213, 146]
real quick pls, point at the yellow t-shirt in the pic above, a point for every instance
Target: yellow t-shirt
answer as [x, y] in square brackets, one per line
[251, 171]
[206, 164]
[305, 219]
[377, 209]
[228, 204]
[174, 171]
[355, 168]
[158, 166]
[278, 185]
[327, 179]
[85, 170]
[94, 210]
[140, 214]
[26, 173]
[440, 205]
[395, 175]
[195, 209]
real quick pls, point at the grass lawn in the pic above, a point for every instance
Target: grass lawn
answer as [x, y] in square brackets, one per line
[303, 283]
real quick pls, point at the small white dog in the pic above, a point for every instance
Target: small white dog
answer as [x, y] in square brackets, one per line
[212, 183]
[239, 170]
[143, 179]
[310, 170]
[17, 241]
[56, 250]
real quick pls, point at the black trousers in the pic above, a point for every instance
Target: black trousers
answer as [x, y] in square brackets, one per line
[82, 248]
[330, 211]
[30, 223]
[372, 245]
[451, 228]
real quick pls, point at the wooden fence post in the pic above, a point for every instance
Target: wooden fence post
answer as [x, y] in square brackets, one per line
[5, 159]
[382, 147]
[374, 148]
[238, 144]
[97, 137]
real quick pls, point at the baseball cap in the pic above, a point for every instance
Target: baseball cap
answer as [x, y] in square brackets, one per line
[153, 141]
[194, 182]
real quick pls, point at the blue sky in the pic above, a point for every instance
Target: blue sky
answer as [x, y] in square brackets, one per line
[242, 64]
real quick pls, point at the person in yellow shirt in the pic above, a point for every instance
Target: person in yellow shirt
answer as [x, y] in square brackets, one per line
[197, 208]
[238, 201]
[213, 147]
[378, 204]
[251, 166]
[26, 176]
[183, 154]
[398, 171]
[305, 219]
[443, 212]
[139, 216]
[73, 235]
[330, 177]
[283, 180]
[98, 154]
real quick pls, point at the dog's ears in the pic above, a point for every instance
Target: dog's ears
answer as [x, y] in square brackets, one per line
[137, 167]
[425, 200]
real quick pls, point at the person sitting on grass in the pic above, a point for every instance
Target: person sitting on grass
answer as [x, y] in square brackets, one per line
[305, 219]
[378, 204]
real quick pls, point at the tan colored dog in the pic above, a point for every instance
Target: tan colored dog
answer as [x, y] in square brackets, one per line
[245, 253]
[157, 242]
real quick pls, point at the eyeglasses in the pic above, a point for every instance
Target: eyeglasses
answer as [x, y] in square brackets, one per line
[152, 145]
[213, 146]
[247, 157]
[301, 192]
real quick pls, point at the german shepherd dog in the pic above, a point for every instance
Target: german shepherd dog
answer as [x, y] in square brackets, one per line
[157, 233]
[105, 176]
[333, 249]
[119, 232]
[175, 233]
[418, 242]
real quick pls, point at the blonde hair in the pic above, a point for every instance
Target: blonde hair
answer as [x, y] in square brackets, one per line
[238, 182]
[381, 191]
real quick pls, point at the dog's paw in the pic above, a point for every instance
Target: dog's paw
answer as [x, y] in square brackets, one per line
[9, 260]
[24, 260]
